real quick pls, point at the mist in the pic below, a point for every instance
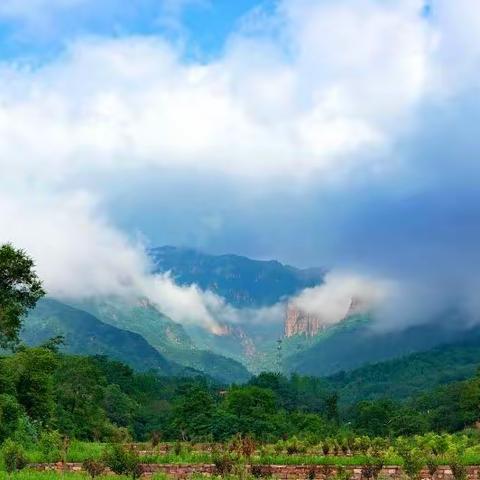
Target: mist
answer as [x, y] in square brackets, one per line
[287, 144]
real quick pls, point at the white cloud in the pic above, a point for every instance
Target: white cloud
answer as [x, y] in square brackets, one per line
[340, 293]
[80, 255]
[132, 102]
[336, 80]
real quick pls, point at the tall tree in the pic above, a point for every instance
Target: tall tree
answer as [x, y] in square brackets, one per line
[20, 289]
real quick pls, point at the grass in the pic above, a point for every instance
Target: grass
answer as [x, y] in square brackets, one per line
[80, 451]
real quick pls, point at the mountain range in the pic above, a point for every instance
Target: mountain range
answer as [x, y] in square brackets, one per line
[147, 339]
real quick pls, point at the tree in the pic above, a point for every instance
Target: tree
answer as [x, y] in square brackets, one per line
[20, 289]
[31, 374]
[79, 398]
[193, 411]
[14, 457]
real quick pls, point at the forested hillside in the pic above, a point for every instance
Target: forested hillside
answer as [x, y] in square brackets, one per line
[166, 336]
[409, 375]
[86, 335]
[359, 341]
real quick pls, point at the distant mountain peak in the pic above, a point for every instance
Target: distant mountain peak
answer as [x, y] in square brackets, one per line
[242, 281]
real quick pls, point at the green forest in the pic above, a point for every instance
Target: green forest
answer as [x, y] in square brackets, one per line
[55, 406]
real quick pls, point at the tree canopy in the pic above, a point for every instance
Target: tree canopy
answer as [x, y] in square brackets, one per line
[20, 289]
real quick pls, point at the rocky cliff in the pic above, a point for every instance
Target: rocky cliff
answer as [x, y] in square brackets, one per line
[300, 322]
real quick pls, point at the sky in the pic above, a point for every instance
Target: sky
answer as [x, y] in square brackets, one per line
[336, 133]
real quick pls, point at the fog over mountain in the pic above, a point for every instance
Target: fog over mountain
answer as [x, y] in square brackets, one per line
[333, 134]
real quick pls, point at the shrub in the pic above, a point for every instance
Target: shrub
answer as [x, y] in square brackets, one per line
[325, 448]
[14, 457]
[155, 438]
[342, 473]
[413, 462]
[50, 445]
[178, 448]
[432, 464]
[459, 470]
[223, 463]
[93, 467]
[123, 461]
[294, 446]
[261, 471]
[372, 467]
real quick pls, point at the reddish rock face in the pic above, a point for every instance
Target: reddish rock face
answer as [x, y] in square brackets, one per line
[299, 322]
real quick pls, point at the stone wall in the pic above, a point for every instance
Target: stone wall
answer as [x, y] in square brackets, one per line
[281, 472]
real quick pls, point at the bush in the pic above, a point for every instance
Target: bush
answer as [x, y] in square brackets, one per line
[93, 467]
[413, 462]
[155, 438]
[14, 457]
[294, 446]
[372, 468]
[342, 473]
[243, 445]
[123, 461]
[50, 445]
[223, 464]
[261, 471]
[459, 470]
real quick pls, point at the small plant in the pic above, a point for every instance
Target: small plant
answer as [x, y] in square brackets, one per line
[325, 448]
[261, 471]
[123, 461]
[223, 464]
[432, 465]
[155, 438]
[413, 461]
[243, 445]
[459, 471]
[14, 457]
[372, 468]
[342, 473]
[50, 444]
[294, 446]
[64, 449]
[93, 467]
[311, 473]
[326, 470]
[178, 448]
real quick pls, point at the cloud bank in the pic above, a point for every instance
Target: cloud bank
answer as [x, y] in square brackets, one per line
[337, 104]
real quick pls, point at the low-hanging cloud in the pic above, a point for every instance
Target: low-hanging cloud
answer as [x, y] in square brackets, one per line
[289, 98]
[342, 294]
[79, 255]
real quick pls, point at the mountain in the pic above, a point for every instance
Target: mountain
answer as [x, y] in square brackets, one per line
[86, 335]
[412, 374]
[241, 281]
[166, 336]
[356, 342]
[245, 284]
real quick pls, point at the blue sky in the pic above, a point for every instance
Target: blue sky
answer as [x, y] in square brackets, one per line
[333, 132]
[202, 26]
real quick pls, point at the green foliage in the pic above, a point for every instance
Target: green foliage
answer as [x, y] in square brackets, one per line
[14, 457]
[123, 461]
[11, 415]
[413, 458]
[50, 445]
[20, 289]
[93, 467]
